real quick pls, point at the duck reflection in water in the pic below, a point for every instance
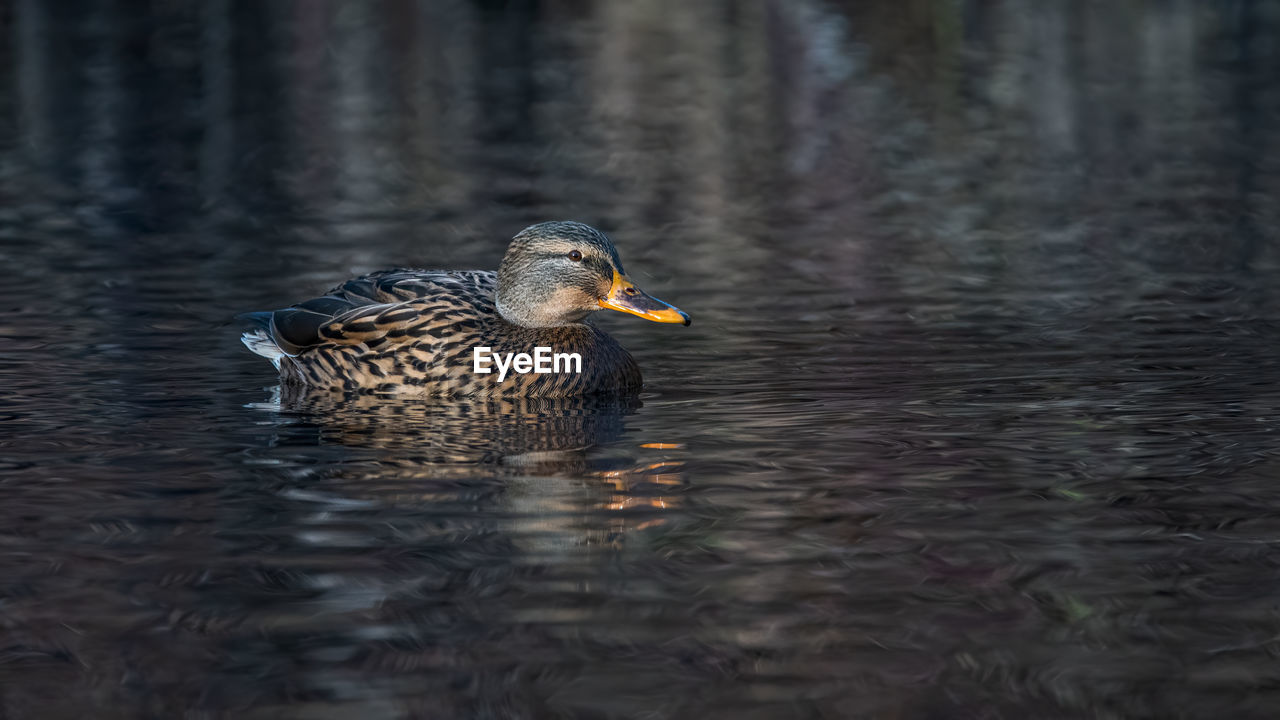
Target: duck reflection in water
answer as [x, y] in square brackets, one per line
[534, 453]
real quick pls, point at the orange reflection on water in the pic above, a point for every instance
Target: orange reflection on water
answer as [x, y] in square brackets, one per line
[625, 482]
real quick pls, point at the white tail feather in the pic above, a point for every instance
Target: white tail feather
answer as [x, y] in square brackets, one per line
[261, 343]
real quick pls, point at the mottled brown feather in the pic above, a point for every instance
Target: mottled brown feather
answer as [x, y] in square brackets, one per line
[414, 331]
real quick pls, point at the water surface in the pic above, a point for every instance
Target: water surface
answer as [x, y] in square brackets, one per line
[977, 417]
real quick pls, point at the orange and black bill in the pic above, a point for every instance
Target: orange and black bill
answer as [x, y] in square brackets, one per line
[625, 297]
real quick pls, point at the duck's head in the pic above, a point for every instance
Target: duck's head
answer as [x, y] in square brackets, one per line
[557, 273]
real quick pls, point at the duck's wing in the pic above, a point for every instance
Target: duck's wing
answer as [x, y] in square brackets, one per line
[385, 307]
[390, 286]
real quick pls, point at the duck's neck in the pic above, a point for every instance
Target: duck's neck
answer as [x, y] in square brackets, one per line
[534, 315]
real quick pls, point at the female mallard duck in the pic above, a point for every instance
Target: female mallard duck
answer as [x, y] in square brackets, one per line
[416, 331]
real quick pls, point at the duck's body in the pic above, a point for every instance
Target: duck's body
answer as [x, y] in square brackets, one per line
[416, 331]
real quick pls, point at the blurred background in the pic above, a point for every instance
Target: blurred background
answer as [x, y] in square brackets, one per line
[977, 416]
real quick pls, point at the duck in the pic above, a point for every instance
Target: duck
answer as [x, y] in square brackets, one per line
[426, 332]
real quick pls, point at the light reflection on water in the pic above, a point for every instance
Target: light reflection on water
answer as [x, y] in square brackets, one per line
[977, 416]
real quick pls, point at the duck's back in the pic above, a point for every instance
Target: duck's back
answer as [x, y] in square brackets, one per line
[416, 331]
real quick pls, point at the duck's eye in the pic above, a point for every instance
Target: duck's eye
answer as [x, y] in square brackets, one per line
[575, 256]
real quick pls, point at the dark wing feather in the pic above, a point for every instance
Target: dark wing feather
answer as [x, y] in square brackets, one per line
[382, 306]
[389, 286]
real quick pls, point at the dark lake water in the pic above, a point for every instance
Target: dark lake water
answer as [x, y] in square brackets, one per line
[978, 416]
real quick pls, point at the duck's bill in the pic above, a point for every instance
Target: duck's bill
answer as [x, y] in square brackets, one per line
[625, 297]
